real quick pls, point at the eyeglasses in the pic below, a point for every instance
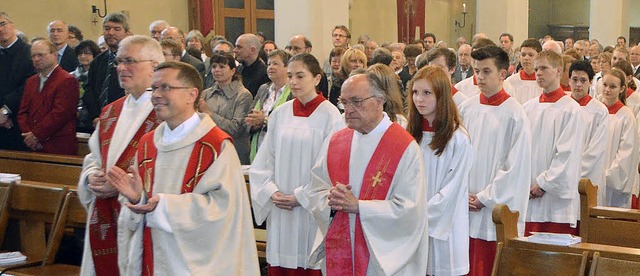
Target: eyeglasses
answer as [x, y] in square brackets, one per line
[4, 23]
[338, 35]
[296, 48]
[355, 102]
[128, 61]
[164, 88]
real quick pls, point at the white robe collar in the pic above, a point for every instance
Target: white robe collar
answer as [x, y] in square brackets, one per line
[171, 136]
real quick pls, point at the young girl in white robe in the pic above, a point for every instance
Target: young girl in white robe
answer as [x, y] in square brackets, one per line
[622, 157]
[447, 152]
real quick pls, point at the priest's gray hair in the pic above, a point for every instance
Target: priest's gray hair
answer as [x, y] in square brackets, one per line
[375, 88]
[150, 48]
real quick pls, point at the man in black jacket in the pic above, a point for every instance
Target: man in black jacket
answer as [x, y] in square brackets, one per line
[59, 35]
[102, 84]
[15, 68]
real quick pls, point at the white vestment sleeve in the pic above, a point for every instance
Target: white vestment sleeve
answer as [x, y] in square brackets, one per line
[624, 163]
[262, 175]
[595, 150]
[158, 218]
[91, 164]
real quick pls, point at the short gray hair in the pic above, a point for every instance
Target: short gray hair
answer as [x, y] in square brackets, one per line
[158, 22]
[117, 17]
[150, 47]
[195, 34]
[376, 89]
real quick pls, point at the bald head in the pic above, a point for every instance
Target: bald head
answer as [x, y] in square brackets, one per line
[247, 48]
[300, 44]
[552, 45]
[156, 28]
[173, 33]
[58, 33]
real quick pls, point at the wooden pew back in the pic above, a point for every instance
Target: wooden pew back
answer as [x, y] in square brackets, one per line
[51, 168]
[520, 261]
[602, 266]
[606, 225]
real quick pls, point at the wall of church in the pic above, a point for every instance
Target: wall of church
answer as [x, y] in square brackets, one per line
[33, 16]
[376, 18]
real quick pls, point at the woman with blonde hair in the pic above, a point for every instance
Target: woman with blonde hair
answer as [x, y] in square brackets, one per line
[389, 82]
[436, 125]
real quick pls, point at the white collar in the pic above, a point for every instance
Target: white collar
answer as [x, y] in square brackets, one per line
[14, 42]
[144, 97]
[171, 136]
[49, 74]
[61, 51]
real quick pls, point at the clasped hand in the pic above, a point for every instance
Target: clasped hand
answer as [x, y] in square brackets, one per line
[342, 199]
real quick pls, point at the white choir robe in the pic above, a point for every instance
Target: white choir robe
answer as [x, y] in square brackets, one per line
[283, 163]
[205, 232]
[448, 187]
[594, 155]
[395, 228]
[134, 112]
[622, 158]
[557, 139]
[459, 98]
[523, 90]
[633, 102]
[469, 89]
[501, 170]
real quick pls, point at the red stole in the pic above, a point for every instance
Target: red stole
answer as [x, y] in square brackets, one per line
[584, 100]
[495, 100]
[103, 226]
[552, 96]
[204, 153]
[376, 182]
[613, 109]
[300, 110]
[527, 77]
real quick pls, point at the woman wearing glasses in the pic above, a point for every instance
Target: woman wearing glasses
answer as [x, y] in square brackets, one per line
[228, 102]
[296, 132]
[435, 124]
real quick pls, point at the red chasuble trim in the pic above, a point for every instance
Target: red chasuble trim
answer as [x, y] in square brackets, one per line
[453, 90]
[300, 110]
[426, 126]
[613, 109]
[584, 100]
[204, 153]
[552, 96]
[629, 92]
[496, 99]
[376, 183]
[527, 77]
[565, 87]
[104, 217]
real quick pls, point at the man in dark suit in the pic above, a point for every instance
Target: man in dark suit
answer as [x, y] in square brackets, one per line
[177, 35]
[253, 70]
[15, 68]
[634, 57]
[102, 85]
[47, 116]
[59, 35]
[463, 69]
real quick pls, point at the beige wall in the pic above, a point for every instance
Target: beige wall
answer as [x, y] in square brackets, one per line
[33, 16]
[376, 18]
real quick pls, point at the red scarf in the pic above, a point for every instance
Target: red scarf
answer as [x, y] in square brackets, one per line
[613, 109]
[204, 153]
[300, 110]
[103, 224]
[376, 183]
[552, 96]
[584, 100]
[527, 77]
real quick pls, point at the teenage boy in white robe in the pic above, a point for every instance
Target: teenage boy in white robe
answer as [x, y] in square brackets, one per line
[524, 82]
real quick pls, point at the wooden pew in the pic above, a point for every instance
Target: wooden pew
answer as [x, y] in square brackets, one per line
[52, 168]
[521, 261]
[506, 230]
[601, 266]
[606, 225]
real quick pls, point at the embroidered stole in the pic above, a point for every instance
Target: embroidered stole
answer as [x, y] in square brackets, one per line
[375, 186]
[103, 228]
[204, 153]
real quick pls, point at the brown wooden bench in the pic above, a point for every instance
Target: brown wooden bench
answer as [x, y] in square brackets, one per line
[51, 168]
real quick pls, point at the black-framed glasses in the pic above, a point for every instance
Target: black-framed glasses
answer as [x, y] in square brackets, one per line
[355, 102]
[4, 23]
[128, 61]
[338, 35]
[164, 88]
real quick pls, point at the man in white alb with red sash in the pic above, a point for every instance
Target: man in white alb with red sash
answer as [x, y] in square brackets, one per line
[186, 205]
[368, 192]
[114, 143]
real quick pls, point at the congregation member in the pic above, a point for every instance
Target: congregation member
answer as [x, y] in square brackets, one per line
[604, 63]
[102, 82]
[387, 80]
[268, 46]
[195, 40]
[269, 97]
[501, 168]
[75, 36]
[369, 47]
[634, 58]
[15, 68]
[445, 59]
[621, 170]
[47, 116]
[171, 49]
[296, 132]
[156, 28]
[59, 35]
[429, 41]
[336, 78]
[524, 83]
[177, 35]
[86, 51]
[463, 68]
[411, 52]
[252, 69]
[632, 100]
[435, 124]
[568, 43]
[353, 196]
[114, 142]
[564, 80]
[186, 209]
[506, 43]
[300, 44]
[228, 102]
[581, 47]
[557, 138]
[595, 124]
[340, 38]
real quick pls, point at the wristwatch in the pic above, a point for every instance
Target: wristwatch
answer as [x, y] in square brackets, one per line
[4, 111]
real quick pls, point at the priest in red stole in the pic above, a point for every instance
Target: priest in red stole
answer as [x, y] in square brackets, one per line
[186, 208]
[114, 142]
[368, 193]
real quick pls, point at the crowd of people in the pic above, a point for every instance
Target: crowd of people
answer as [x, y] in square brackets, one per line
[386, 158]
